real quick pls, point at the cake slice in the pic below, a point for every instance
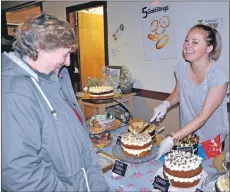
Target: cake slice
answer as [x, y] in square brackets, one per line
[136, 125]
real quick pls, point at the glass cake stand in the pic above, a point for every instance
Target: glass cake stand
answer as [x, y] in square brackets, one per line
[117, 151]
[209, 182]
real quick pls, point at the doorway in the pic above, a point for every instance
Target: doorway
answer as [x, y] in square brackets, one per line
[89, 21]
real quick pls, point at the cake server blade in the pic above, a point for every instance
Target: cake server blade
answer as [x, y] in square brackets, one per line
[146, 127]
[150, 123]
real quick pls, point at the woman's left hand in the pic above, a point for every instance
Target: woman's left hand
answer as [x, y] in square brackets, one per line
[165, 147]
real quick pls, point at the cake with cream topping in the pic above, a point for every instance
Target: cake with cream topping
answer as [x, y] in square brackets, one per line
[99, 91]
[136, 125]
[136, 145]
[222, 184]
[190, 140]
[183, 169]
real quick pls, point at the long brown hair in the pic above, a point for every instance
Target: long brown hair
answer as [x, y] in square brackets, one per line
[213, 38]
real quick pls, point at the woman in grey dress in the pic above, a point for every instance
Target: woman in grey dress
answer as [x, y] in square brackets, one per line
[201, 89]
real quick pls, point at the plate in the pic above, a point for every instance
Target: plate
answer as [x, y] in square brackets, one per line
[176, 189]
[96, 131]
[118, 125]
[117, 151]
[103, 144]
[101, 101]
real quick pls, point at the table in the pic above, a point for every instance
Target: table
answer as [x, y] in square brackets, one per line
[139, 177]
[89, 108]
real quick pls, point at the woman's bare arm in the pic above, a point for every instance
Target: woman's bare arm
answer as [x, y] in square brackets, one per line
[174, 97]
[213, 100]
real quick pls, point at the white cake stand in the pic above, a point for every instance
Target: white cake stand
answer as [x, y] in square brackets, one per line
[176, 189]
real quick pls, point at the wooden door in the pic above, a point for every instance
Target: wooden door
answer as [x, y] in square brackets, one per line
[91, 45]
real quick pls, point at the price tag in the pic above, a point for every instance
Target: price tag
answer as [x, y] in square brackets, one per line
[199, 190]
[118, 142]
[161, 184]
[186, 149]
[119, 168]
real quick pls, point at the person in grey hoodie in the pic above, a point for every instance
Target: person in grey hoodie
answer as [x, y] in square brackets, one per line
[45, 142]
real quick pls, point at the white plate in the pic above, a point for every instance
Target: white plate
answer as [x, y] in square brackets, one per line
[176, 189]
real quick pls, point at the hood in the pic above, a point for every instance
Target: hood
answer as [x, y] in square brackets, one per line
[12, 65]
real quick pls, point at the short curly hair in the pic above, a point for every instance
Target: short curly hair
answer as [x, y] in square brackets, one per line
[44, 32]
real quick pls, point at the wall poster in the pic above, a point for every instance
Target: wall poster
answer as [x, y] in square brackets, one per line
[158, 31]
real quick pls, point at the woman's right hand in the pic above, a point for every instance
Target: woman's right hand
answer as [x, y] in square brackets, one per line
[160, 111]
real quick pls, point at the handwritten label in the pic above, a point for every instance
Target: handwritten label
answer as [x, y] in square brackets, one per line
[199, 190]
[118, 142]
[161, 184]
[186, 149]
[119, 168]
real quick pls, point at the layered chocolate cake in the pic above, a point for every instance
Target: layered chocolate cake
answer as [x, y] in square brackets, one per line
[222, 184]
[136, 145]
[191, 140]
[183, 169]
[101, 91]
[136, 125]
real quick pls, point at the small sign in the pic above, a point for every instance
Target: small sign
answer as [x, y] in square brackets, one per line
[215, 23]
[186, 149]
[161, 184]
[118, 142]
[119, 168]
[199, 190]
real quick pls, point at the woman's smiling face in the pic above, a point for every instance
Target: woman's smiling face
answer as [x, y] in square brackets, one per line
[54, 59]
[195, 47]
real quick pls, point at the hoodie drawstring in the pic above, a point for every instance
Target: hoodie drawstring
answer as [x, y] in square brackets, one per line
[45, 98]
[86, 179]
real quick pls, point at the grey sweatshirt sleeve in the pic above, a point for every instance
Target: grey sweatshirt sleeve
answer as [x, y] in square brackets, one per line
[94, 172]
[22, 169]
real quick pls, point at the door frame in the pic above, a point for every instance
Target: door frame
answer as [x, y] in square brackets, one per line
[14, 8]
[92, 4]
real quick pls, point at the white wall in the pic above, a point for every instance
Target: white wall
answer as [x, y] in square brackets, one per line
[58, 8]
[156, 75]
